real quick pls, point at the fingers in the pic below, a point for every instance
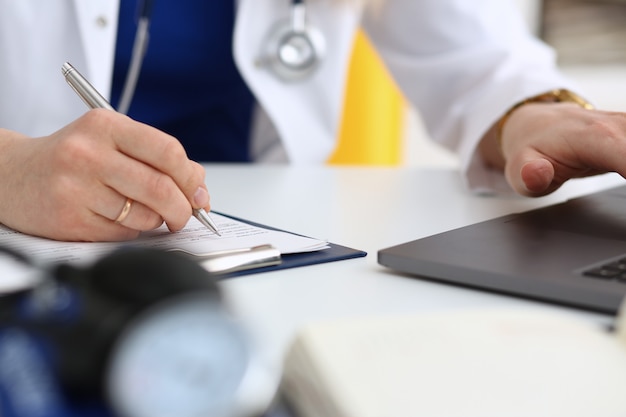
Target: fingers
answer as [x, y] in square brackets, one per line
[110, 205]
[201, 198]
[151, 168]
[164, 154]
[145, 185]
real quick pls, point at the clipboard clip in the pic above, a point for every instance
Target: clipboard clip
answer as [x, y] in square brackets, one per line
[233, 260]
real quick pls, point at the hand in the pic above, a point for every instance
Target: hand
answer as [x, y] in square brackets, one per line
[546, 144]
[73, 184]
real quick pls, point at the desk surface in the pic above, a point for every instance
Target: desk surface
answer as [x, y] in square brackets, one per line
[367, 209]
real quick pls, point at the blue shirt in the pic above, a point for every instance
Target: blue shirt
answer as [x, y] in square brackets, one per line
[189, 85]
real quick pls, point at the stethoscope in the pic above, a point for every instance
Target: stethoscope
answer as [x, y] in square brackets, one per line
[293, 48]
[291, 51]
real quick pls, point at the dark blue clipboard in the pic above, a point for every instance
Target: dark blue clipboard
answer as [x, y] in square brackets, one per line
[294, 260]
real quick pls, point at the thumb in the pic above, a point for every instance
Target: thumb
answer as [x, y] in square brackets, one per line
[532, 177]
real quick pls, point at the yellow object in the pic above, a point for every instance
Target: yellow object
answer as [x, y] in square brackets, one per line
[371, 129]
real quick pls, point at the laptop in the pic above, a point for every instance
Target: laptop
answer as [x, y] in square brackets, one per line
[573, 253]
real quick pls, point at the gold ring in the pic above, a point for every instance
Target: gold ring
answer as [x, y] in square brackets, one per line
[125, 211]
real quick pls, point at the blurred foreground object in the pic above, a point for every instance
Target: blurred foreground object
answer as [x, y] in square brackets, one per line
[468, 363]
[139, 333]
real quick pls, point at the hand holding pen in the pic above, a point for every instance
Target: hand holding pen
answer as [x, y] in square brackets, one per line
[159, 166]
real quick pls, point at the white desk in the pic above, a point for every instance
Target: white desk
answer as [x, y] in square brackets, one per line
[367, 209]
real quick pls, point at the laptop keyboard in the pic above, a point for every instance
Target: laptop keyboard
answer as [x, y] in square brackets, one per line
[612, 271]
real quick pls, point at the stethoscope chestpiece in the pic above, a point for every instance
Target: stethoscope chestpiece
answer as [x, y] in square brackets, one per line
[293, 49]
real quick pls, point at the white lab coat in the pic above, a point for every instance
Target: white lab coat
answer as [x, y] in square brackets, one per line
[461, 63]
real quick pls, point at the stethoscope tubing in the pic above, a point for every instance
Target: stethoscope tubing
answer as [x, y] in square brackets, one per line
[142, 35]
[140, 46]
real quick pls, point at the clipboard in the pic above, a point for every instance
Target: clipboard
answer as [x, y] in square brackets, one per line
[231, 259]
[266, 258]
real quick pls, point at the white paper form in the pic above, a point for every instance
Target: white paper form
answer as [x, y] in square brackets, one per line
[194, 238]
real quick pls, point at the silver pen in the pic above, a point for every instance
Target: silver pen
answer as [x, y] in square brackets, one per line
[94, 100]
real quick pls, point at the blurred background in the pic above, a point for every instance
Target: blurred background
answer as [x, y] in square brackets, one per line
[590, 39]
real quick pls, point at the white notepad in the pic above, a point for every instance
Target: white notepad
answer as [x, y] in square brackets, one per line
[490, 363]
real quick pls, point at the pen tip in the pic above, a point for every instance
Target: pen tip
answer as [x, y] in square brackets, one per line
[204, 218]
[66, 68]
